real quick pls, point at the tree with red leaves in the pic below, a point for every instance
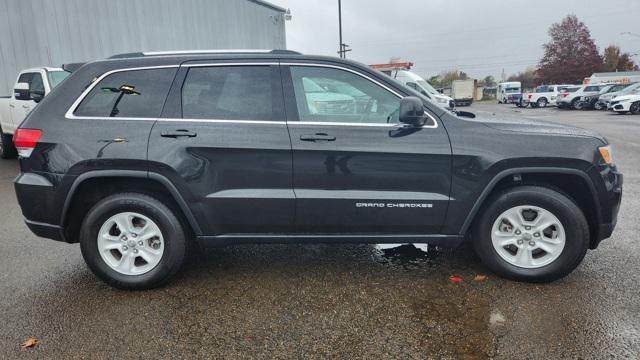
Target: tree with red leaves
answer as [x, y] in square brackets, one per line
[571, 55]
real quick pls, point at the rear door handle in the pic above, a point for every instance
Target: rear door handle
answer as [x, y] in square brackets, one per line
[26, 107]
[178, 133]
[317, 137]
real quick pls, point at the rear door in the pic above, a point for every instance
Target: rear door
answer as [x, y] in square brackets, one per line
[355, 168]
[223, 141]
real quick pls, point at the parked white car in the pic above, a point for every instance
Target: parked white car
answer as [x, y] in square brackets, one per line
[626, 103]
[606, 99]
[32, 85]
[571, 96]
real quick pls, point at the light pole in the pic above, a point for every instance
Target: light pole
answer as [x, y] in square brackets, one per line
[342, 47]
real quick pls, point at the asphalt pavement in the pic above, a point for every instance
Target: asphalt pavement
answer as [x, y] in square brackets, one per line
[318, 301]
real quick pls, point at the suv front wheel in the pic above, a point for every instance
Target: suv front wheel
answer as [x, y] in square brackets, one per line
[531, 233]
[132, 241]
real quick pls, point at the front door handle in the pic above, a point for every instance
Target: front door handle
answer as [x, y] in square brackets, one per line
[317, 137]
[178, 133]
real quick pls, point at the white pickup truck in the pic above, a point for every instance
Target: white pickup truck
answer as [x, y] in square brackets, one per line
[31, 86]
[543, 95]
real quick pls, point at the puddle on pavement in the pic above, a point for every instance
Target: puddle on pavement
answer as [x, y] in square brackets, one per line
[407, 256]
[456, 323]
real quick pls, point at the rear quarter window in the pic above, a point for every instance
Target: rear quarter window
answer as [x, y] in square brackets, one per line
[129, 93]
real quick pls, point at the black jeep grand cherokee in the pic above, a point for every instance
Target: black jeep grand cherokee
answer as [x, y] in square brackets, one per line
[138, 156]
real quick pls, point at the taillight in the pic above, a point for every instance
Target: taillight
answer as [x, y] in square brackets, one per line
[26, 140]
[530, 96]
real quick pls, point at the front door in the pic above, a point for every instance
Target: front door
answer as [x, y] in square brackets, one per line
[227, 147]
[355, 168]
[21, 108]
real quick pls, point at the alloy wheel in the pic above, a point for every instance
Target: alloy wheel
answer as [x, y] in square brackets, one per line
[528, 236]
[130, 243]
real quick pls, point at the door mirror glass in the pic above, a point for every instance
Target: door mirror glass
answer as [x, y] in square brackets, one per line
[36, 95]
[411, 111]
[21, 91]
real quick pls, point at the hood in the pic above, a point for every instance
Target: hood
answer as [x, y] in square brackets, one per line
[627, 98]
[524, 125]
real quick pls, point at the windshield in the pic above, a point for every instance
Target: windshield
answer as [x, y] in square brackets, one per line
[631, 87]
[56, 77]
[572, 89]
[512, 90]
[425, 85]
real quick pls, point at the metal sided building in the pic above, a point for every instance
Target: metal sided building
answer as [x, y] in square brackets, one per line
[51, 33]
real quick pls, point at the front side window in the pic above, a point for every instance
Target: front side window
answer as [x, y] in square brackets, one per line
[341, 96]
[135, 93]
[232, 93]
[35, 82]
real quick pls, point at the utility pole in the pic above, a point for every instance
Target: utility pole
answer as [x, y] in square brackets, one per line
[342, 47]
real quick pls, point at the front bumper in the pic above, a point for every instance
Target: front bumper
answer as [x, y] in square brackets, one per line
[610, 201]
[621, 106]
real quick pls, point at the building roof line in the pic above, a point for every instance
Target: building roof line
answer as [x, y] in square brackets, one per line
[269, 5]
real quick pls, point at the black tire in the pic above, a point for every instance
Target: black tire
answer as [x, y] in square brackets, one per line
[574, 102]
[598, 106]
[534, 105]
[175, 241]
[635, 108]
[7, 149]
[542, 102]
[565, 209]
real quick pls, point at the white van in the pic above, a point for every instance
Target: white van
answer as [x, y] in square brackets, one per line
[419, 84]
[505, 89]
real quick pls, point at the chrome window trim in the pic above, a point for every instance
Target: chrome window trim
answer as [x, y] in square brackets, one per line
[400, 96]
[70, 112]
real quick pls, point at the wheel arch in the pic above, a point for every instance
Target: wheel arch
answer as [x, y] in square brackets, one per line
[135, 180]
[555, 178]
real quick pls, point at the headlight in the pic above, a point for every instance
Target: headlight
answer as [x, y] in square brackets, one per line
[442, 100]
[607, 154]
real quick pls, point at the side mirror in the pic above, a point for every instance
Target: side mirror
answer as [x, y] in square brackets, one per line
[452, 104]
[36, 95]
[411, 111]
[21, 92]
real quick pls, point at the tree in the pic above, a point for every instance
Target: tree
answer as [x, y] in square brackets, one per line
[571, 55]
[488, 81]
[435, 81]
[447, 77]
[615, 60]
[527, 78]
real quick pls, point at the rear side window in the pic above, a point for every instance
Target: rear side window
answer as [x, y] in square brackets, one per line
[135, 93]
[232, 93]
[592, 88]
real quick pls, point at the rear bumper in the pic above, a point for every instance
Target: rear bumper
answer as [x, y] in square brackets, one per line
[37, 198]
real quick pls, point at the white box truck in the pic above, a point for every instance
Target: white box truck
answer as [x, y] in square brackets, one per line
[463, 91]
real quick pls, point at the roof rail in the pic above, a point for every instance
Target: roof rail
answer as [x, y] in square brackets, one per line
[197, 52]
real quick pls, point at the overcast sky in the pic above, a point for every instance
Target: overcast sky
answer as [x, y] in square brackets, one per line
[480, 37]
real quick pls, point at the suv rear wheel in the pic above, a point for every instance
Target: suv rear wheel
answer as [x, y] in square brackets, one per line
[7, 150]
[531, 233]
[132, 241]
